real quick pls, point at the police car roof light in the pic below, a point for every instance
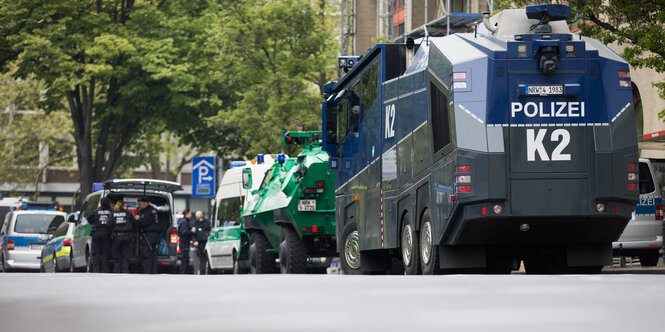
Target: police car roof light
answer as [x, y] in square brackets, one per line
[281, 158]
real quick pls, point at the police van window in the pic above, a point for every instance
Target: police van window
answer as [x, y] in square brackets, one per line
[229, 209]
[370, 87]
[439, 110]
[343, 111]
[93, 203]
[37, 223]
[646, 181]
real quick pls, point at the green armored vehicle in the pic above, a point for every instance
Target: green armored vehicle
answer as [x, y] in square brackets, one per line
[292, 214]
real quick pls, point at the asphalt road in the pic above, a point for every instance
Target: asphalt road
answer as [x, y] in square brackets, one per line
[88, 302]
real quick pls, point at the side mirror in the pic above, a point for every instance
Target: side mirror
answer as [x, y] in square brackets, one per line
[247, 178]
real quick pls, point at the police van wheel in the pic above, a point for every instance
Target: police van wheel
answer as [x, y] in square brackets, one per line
[409, 248]
[429, 255]
[55, 264]
[349, 256]
[41, 267]
[261, 261]
[71, 265]
[208, 268]
[292, 252]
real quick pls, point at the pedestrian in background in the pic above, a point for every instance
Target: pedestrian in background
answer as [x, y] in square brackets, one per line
[185, 235]
[149, 230]
[201, 232]
[122, 224]
[101, 236]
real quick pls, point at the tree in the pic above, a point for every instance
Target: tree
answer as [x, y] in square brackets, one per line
[278, 55]
[29, 137]
[122, 66]
[637, 25]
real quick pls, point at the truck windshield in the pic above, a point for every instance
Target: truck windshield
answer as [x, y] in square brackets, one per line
[229, 209]
[266, 179]
[38, 223]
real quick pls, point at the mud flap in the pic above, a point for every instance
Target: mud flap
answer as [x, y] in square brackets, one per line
[455, 257]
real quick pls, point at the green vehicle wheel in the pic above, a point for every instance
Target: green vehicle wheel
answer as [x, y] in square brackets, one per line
[292, 252]
[261, 260]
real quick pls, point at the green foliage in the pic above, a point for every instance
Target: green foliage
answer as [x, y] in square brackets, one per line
[124, 67]
[273, 51]
[28, 135]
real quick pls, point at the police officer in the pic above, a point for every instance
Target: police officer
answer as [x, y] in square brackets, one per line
[122, 224]
[201, 232]
[101, 236]
[185, 235]
[149, 230]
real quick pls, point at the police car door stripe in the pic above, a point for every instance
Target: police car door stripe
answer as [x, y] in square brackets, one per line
[472, 115]
[514, 125]
[620, 112]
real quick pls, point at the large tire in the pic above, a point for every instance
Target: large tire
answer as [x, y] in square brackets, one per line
[41, 267]
[292, 252]
[429, 251]
[349, 255]
[261, 261]
[649, 259]
[55, 264]
[409, 248]
[71, 264]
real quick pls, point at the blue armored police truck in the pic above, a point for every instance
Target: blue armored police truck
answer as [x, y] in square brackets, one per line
[471, 152]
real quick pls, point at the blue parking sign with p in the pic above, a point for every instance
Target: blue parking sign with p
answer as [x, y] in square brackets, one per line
[203, 177]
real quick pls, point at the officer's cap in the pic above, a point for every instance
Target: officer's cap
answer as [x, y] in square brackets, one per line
[104, 201]
[144, 199]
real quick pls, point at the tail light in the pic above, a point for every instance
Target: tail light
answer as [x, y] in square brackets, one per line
[466, 179]
[463, 189]
[174, 236]
[314, 190]
[178, 250]
[311, 229]
[320, 183]
[10, 245]
[67, 243]
[632, 187]
[659, 212]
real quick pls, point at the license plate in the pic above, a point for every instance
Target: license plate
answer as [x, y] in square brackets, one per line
[36, 246]
[307, 205]
[544, 90]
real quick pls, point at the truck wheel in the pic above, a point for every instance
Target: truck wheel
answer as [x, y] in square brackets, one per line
[429, 253]
[409, 248]
[261, 261]
[349, 256]
[650, 259]
[292, 252]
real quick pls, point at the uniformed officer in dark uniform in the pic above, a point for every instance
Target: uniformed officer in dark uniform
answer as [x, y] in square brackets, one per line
[149, 230]
[185, 235]
[101, 236]
[122, 224]
[201, 233]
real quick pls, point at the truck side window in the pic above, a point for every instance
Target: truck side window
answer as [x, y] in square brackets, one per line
[439, 116]
[370, 86]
